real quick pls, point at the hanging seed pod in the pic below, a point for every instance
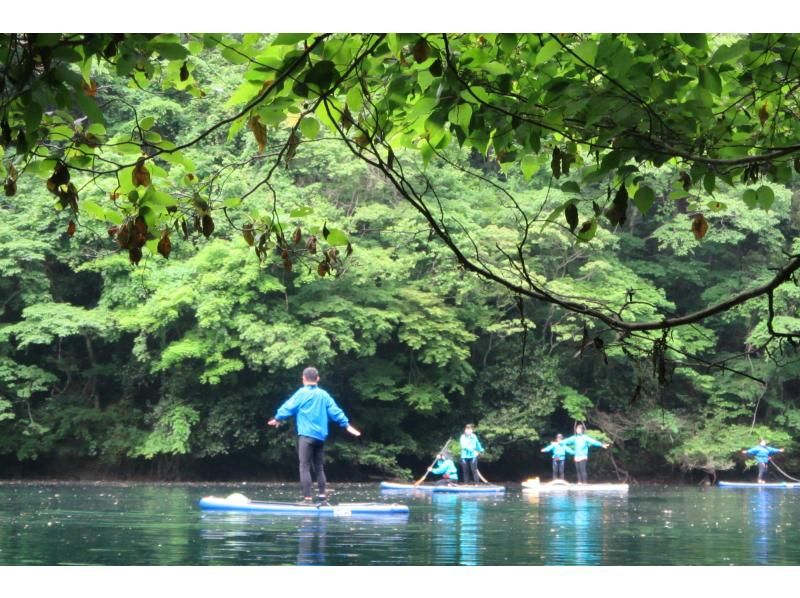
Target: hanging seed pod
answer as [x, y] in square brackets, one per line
[323, 269]
[164, 245]
[135, 255]
[311, 244]
[124, 236]
[247, 233]
[207, 225]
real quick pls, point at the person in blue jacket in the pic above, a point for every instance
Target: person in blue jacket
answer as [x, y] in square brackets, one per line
[445, 468]
[560, 452]
[581, 443]
[762, 453]
[470, 449]
[312, 407]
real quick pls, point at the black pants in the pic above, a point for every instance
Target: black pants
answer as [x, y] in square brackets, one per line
[762, 471]
[580, 466]
[311, 453]
[469, 467]
[558, 469]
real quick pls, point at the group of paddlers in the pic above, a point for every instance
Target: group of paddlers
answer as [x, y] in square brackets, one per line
[312, 407]
[576, 445]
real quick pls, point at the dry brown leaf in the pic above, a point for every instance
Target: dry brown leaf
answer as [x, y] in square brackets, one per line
[699, 226]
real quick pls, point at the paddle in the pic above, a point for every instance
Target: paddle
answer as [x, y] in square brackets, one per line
[427, 471]
[483, 479]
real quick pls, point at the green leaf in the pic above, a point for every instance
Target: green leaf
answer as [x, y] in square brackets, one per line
[750, 198]
[94, 210]
[158, 198]
[696, 40]
[336, 237]
[587, 231]
[171, 51]
[322, 75]
[33, 116]
[495, 68]
[289, 39]
[147, 123]
[232, 202]
[547, 51]
[570, 187]
[243, 94]
[89, 107]
[644, 198]
[461, 115]
[301, 212]
[309, 127]
[354, 99]
[765, 197]
[587, 51]
[709, 80]
[709, 182]
[529, 165]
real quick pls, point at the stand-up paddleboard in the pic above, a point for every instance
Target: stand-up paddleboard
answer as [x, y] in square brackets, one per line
[534, 485]
[240, 503]
[457, 489]
[784, 485]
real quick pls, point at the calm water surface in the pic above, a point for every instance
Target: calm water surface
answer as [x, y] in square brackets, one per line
[149, 524]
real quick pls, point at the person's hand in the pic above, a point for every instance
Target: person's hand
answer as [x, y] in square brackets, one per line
[744, 452]
[781, 450]
[353, 431]
[430, 469]
[274, 423]
[606, 445]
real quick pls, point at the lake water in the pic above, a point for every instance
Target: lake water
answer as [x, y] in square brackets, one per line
[160, 524]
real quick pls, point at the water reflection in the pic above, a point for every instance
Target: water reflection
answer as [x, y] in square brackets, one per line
[311, 541]
[149, 525]
[761, 513]
[579, 527]
[469, 525]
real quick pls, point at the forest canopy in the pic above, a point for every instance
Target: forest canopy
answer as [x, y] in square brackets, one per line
[525, 229]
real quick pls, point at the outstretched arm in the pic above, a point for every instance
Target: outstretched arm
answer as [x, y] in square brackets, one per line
[285, 411]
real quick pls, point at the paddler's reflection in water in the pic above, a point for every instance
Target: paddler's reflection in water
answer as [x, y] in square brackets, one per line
[468, 532]
[761, 502]
[456, 525]
[574, 528]
[311, 541]
[445, 529]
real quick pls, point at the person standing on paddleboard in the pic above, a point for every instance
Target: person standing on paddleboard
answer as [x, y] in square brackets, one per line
[560, 452]
[470, 449]
[581, 443]
[762, 453]
[445, 468]
[312, 408]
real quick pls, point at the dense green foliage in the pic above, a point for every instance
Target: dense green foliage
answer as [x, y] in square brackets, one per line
[180, 360]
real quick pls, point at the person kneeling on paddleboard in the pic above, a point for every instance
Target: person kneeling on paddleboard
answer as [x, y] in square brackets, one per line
[762, 453]
[581, 442]
[560, 452]
[312, 407]
[470, 449]
[445, 468]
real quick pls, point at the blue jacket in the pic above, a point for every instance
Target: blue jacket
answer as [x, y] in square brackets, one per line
[470, 446]
[312, 406]
[446, 468]
[581, 442]
[559, 449]
[762, 453]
